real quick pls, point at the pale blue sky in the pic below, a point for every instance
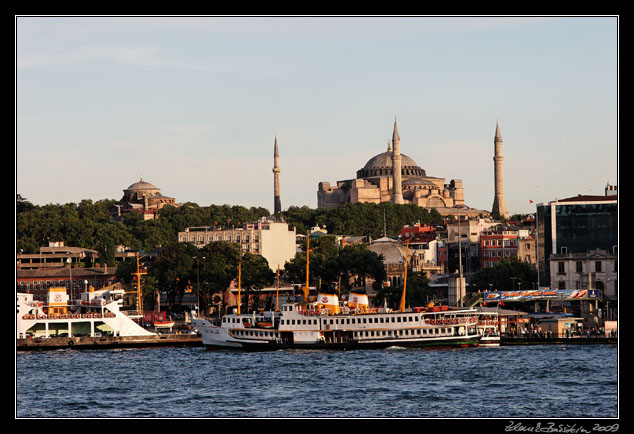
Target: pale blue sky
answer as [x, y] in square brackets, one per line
[193, 104]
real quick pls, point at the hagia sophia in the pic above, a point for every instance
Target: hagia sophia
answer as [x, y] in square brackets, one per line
[375, 183]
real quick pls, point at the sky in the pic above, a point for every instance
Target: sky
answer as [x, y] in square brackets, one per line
[193, 104]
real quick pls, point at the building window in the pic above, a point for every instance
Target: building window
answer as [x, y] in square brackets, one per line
[597, 266]
[560, 268]
[579, 267]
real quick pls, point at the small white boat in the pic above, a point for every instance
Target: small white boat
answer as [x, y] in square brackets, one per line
[489, 328]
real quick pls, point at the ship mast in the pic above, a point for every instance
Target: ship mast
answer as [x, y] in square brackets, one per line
[239, 283]
[306, 290]
[402, 306]
[139, 272]
[277, 291]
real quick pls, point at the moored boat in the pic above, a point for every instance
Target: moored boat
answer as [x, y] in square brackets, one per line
[489, 328]
[315, 326]
[328, 323]
[95, 313]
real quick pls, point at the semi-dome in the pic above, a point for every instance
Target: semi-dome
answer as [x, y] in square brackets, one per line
[381, 165]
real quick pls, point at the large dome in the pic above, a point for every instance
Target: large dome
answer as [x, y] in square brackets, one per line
[141, 185]
[381, 165]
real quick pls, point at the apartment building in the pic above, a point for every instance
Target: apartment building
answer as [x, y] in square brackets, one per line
[272, 239]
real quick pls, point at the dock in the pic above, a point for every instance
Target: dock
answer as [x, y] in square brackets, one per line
[574, 340]
[109, 342]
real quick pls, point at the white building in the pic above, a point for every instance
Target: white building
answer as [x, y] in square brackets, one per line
[274, 240]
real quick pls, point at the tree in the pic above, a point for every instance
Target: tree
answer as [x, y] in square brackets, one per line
[218, 268]
[172, 269]
[417, 292]
[508, 274]
[256, 274]
[358, 260]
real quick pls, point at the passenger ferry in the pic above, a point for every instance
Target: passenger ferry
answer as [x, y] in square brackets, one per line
[95, 313]
[489, 328]
[327, 323]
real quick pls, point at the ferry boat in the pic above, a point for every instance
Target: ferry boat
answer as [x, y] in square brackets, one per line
[326, 323]
[489, 328]
[94, 314]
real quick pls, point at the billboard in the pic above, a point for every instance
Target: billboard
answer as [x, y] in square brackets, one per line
[541, 294]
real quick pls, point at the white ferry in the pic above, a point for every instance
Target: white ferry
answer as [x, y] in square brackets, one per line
[325, 323]
[95, 313]
[489, 328]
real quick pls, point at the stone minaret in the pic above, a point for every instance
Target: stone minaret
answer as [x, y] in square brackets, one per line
[397, 187]
[277, 205]
[499, 203]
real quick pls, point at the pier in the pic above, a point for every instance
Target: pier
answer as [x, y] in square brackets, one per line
[557, 340]
[109, 342]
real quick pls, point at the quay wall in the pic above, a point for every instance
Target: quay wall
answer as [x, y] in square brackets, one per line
[513, 340]
[104, 342]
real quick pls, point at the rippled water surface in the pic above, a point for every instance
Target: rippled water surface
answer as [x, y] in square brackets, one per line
[525, 381]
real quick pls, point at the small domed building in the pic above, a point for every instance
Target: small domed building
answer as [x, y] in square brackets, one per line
[376, 180]
[145, 198]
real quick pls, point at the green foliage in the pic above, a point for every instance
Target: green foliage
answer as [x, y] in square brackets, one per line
[508, 274]
[417, 292]
[328, 265]
[361, 219]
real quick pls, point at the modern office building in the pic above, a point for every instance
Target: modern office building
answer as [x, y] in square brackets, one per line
[578, 225]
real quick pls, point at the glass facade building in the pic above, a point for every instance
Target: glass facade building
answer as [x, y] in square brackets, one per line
[575, 225]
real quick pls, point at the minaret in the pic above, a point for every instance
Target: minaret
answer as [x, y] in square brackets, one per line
[499, 203]
[397, 187]
[277, 204]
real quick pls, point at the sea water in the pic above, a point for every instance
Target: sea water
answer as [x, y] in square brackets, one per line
[534, 381]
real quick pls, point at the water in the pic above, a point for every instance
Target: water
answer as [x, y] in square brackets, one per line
[551, 381]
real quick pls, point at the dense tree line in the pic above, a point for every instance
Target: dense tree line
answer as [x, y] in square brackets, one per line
[361, 219]
[179, 266]
[90, 224]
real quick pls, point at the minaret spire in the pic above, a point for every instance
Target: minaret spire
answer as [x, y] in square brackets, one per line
[499, 202]
[397, 187]
[277, 203]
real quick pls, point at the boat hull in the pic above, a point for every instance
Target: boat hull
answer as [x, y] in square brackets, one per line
[218, 338]
[273, 346]
[490, 342]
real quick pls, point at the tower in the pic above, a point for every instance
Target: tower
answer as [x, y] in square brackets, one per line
[397, 187]
[499, 203]
[277, 204]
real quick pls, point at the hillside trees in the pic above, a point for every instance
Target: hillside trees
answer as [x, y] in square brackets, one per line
[91, 225]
